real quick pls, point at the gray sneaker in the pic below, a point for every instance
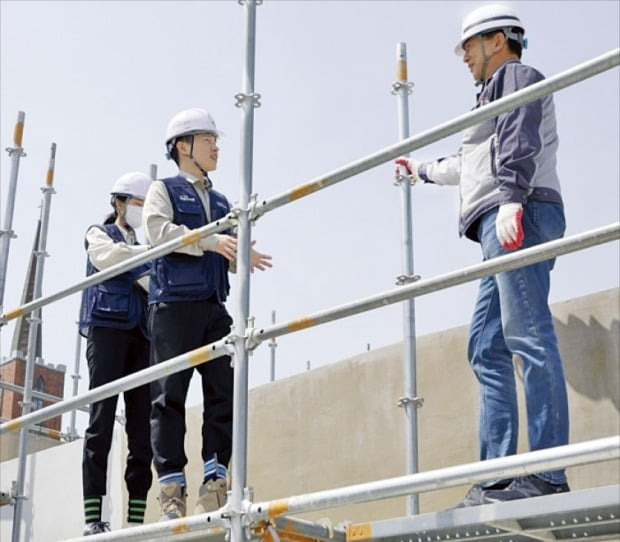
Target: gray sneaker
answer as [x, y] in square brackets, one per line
[524, 488]
[211, 496]
[172, 501]
[476, 494]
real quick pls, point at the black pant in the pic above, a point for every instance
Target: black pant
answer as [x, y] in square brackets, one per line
[177, 328]
[112, 354]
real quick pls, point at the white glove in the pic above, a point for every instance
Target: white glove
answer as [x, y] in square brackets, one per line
[407, 169]
[508, 225]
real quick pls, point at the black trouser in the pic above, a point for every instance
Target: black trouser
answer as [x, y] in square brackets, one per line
[112, 354]
[175, 329]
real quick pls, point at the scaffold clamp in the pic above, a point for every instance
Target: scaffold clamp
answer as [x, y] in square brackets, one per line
[5, 498]
[251, 341]
[242, 97]
[407, 400]
[48, 188]
[10, 233]
[399, 178]
[256, 2]
[397, 85]
[401, 280]
[233, 215]
[253, 213]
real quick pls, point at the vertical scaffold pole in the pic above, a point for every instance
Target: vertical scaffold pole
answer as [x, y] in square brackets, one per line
[409, 402]
[272, 346]
[247, 101]
[153, 172]
[76, 378]
[35, 323]
[6, 234]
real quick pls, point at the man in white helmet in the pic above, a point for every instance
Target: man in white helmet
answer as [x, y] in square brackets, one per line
[188, 290]
[510, 199]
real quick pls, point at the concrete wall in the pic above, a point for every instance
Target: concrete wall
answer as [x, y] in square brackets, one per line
[340, 424]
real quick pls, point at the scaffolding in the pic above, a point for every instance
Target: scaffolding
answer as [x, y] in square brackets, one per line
[241, 518]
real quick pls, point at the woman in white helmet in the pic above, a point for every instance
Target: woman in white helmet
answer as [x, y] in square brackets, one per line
[510, 199]
[114, 321]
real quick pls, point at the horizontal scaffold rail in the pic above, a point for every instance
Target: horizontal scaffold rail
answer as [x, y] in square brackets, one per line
[571, 455]
[520, 258]
[35, 394]
[165, 368]
[200, 527]
[493, 266]
[189, 238]
[538, 90]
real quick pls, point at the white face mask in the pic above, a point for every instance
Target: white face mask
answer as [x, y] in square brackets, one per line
[133, 215]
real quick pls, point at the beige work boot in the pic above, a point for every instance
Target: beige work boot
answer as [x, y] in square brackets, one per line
[211, 496]
[172, 501]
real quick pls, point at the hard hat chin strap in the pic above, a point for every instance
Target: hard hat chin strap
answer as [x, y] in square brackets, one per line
[205, 174]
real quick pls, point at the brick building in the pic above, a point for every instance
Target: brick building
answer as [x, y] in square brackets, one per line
[48, 379]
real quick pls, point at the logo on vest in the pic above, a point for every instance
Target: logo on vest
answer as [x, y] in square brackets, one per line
[185, 197]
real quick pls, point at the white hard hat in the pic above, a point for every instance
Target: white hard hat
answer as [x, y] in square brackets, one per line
[134, 184]
[491, 17]
[188, 122]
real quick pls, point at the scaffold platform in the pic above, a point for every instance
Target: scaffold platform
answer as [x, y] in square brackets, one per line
[589, 514]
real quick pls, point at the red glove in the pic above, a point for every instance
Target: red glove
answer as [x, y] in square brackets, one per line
[508, 225]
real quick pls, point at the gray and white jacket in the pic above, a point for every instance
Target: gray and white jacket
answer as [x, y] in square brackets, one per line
[507, 159]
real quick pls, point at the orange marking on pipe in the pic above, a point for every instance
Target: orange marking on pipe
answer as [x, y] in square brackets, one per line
[190, 238]
[401, 69]
[183, 528]
[15, 313]
[18, 134]
[361, 531]
[278, 507]
[305, 189]
[200, 355]
[301, 323]
[267, 536]
[50, 177]
[13, 425]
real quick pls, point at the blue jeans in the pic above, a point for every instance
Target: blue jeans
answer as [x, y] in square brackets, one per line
[512, 316]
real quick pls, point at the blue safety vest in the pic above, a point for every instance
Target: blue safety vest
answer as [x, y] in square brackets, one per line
[182, 277]
[117, 302]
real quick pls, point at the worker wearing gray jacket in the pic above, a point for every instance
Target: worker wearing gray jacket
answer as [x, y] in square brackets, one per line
[510, 199]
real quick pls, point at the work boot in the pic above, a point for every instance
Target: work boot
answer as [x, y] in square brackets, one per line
[172, 501]
[96, 527]
[211, 496]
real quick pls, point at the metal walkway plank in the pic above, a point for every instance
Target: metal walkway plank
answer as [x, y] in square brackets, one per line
[589, 514]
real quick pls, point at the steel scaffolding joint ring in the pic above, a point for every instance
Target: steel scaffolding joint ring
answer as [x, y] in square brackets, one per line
[397, 85]
[13, 150]
[241, 97]
[401, 280]
[406, 400]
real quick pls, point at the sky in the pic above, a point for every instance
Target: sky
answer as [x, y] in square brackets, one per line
[102, 80]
